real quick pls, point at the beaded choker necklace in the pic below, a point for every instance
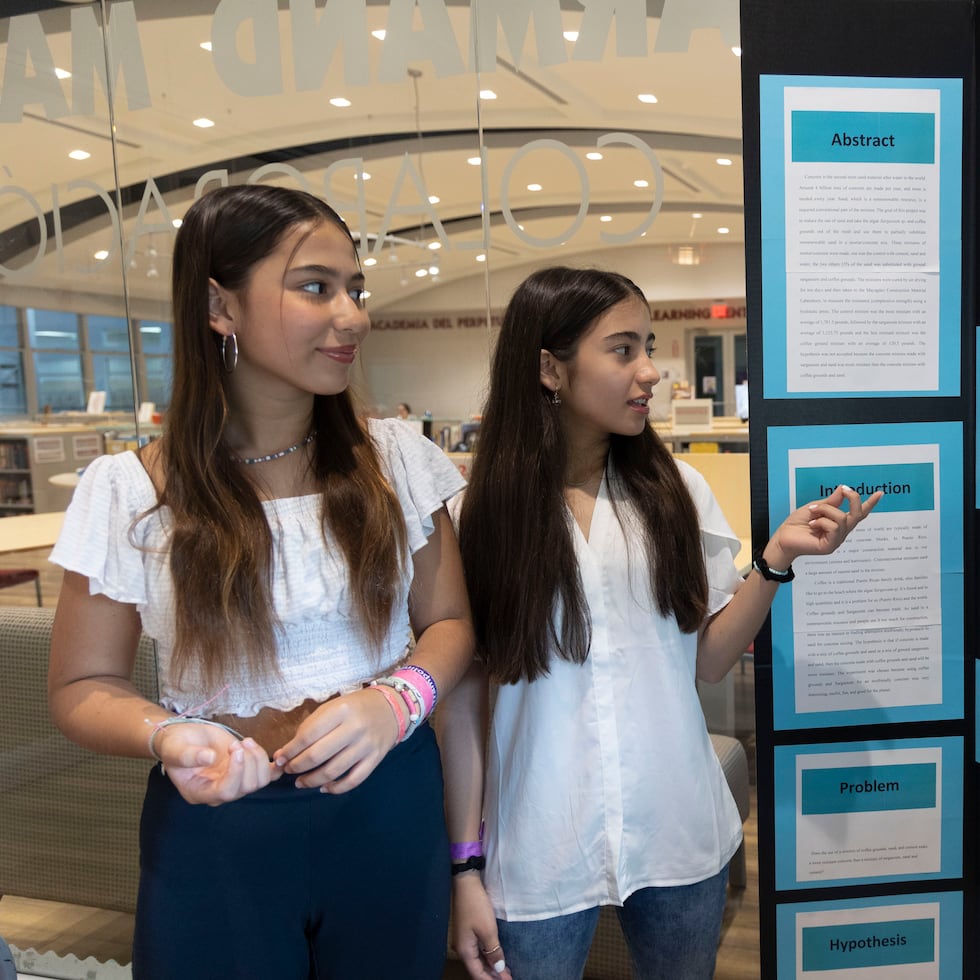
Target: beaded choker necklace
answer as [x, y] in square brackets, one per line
[252, 460]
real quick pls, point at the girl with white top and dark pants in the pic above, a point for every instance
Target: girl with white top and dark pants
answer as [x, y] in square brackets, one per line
[300, 575]
[602, 583]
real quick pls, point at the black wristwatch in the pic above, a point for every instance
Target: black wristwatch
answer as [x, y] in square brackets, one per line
[771, 574]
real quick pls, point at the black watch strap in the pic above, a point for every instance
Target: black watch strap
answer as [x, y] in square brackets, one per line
[771, 574]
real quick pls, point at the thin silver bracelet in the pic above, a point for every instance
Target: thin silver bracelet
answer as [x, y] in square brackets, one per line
[184, 720]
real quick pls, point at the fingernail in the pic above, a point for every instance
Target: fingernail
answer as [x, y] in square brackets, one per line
[813, 506]
[280, 761]
[248, 742]
[844, 486]
[500, 966]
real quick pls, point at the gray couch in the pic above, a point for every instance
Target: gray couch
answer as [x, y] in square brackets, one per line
[70, 818]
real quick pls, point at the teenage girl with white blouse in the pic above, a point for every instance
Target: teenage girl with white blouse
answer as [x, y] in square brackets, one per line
[602, 583]
[283, 554]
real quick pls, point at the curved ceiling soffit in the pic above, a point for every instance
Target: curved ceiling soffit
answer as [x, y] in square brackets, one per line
[75, 218]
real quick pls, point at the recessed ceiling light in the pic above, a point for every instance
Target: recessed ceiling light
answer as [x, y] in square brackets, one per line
[421, 273]
[380, 35]
[723, 231]
[435, 246]
[79, 154]
[363, 175]
[593, 155]
[433, 199]
[487, 94]
[570, 35]
[204, 123]
[433, 270]
[534, 187]
[206, 45]
[102, 254]
[340, 103]
[481, 257]
[696, 214]
[474, 161]
[723, 162]
[605, 217]
[366, 294]
[641, 183]
[177, 222]
[370, 261]
[647, 98]
[61, 73]
[737, 51]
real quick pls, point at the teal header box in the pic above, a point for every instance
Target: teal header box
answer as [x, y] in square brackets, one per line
[865, 789]
[863, 137]
[869, 944]
[907, 486]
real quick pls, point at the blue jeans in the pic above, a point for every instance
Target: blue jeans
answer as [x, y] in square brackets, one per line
[672, 934]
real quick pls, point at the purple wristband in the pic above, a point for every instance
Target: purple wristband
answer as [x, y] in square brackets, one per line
[460, 852]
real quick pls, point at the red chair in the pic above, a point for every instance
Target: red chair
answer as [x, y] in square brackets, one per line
[17, 576]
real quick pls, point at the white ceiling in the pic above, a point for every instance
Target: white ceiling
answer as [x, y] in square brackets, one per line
[434, 120]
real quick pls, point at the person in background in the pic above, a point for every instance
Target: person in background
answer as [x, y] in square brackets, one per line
[300, 575]
[602, 581]
[404, 411]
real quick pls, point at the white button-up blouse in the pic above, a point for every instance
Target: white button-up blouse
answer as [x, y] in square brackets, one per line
[601, 777]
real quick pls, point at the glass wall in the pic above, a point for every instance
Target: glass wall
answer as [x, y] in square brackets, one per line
[466, 142]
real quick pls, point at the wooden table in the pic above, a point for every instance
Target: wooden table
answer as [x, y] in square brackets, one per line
[27, 532]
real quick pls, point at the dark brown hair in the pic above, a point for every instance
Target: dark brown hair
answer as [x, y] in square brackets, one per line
[515, 536]
[221, 550]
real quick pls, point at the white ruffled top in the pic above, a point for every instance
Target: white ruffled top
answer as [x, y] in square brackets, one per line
[322, 648]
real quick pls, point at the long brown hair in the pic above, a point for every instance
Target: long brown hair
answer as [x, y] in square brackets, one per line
[515, 537]
[221, 547]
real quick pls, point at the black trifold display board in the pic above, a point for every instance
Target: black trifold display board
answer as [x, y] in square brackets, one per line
[859, 122]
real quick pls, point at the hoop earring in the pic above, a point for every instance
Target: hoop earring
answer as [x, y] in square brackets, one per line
[555, 398]
[234, 352]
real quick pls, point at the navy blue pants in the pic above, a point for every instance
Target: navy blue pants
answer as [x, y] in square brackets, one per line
[293, 884]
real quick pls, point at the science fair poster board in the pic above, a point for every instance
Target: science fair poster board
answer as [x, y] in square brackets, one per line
[895, 937]
[859, 813]
[873, 633]
[861, 215]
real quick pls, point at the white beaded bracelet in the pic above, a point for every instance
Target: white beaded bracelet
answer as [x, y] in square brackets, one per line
[415, 716]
